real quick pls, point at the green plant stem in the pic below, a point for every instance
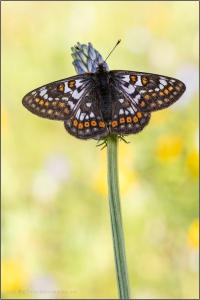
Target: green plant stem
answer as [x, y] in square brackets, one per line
[116, 219]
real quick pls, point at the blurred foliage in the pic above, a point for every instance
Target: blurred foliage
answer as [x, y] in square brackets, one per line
[55, 223]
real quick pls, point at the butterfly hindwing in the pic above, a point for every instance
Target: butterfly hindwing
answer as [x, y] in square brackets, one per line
[149, 92]
[126, 117]
[87, 121]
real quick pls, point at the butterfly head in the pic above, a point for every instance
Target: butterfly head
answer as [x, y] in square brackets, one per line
[102, 66]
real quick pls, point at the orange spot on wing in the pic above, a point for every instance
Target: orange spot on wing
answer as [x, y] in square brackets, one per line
[170, 88]
[128, 119]
[80, 126]
[41, 102]
[135, 119]
[133, 78]
[153, 94]
[144, 80]
[66, 110]
[71, 83]
[121, 120]
[142, 103]
[114, 123]
[166, 91]
[37, 99]
[75, 123]
[46, 103]
[102, 124]
[139, 114]
[147, 97]
[94, 123]
[161, 93]
[86, 124]
[61, 104]
[54, 103]
[61, 87]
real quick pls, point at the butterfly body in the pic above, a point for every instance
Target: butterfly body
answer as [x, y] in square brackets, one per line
[97, 104]
[102, 81]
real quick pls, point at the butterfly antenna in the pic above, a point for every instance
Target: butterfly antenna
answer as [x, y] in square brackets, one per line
[77, 48]
[113, 49]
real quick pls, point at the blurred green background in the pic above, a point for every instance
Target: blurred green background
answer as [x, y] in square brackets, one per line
[57, 240]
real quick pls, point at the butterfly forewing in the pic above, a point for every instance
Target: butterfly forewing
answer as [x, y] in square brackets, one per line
[58, 100]
[149, 92]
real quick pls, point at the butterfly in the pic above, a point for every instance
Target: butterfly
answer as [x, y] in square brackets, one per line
[96, 104]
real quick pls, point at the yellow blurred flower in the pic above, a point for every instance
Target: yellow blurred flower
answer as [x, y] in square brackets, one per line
[169, 147]
[163, 17]
[192, 163]
[193, 235]
[160, 118]
[13, 276]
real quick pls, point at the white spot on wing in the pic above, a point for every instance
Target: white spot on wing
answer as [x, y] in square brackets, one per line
[45, 96]
[130, 110]
[78, 113]
[130, 89]
[121, 111]
[67, 89]
[137, 98]
[78, 95]
[126, 78]
[88, 104]
[91, 115]
[162, 81]
[71, 104]
[121, 100]
[78, 83]
[82, 116]
[156, 89]
[138, 82]
[43, 92]
[161, 86]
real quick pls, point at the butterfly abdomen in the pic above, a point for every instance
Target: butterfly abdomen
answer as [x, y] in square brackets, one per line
[105, 105]
[104, 94]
